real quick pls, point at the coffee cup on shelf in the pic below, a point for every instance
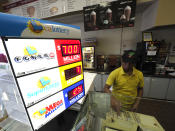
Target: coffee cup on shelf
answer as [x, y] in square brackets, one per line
[109, 15]
[127, 12]
[93, 18]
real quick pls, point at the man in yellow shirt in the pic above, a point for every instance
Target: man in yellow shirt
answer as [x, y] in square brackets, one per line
[127, 84]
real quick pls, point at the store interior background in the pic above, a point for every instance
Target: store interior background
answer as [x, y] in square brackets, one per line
[109, 43]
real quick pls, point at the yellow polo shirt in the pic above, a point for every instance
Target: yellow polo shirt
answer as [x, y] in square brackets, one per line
[125, 86]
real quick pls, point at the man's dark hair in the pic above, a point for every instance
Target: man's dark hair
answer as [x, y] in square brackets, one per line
[129, 56]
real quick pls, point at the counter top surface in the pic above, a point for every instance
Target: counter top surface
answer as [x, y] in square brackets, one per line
[159, 76]
[88, 80]
[145, 75]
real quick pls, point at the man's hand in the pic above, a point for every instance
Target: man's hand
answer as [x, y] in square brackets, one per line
[116, 105]
[135, 107]
[139, 95]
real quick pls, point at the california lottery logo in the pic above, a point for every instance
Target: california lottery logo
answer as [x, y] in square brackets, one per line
[35, 26]
[31, 53]
[43, 82]
[48, 110]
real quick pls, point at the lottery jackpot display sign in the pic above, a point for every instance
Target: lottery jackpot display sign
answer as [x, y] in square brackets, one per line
[48, 73]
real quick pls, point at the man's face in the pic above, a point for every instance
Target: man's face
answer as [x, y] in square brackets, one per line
[127, 66]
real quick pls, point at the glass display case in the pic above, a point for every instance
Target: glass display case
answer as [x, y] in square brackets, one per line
[97, 114]
[13, 116]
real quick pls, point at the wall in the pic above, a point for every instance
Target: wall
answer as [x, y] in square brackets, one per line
[109, 40]
[165, 12]
[149, 16]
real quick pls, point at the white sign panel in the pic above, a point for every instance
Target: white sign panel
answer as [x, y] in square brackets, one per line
[31, 55]
[40, 85]
[46, 110]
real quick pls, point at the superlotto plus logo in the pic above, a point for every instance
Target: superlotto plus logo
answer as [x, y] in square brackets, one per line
[44, 85]
[31, 53]
[48, 110]
[43, 82]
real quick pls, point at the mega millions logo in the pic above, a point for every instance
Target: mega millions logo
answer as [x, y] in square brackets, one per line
[48, 110]
[43, 82]
[35, 26]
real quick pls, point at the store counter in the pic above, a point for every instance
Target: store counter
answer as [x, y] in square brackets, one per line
[97, 115]
[157, 86]
[107, 72]
[88, 83]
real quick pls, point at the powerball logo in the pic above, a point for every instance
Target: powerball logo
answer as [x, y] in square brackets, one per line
[36, 27]
[48, 110]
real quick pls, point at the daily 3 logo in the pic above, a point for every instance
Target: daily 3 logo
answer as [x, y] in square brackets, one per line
[31, 53]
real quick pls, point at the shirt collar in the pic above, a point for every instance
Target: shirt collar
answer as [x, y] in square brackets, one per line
[123, 73]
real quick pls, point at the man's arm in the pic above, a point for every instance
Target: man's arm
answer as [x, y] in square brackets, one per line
[114, 103]
[106, 89]
[137, 101]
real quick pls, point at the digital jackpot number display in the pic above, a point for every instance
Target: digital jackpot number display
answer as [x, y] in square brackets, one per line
[68, 51]
[74, 92]
[49, 74]
[72, 72]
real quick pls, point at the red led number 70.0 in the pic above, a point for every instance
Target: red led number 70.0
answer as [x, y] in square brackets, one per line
[70, 49]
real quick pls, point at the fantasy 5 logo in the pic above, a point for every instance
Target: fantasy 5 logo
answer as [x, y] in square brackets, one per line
[37, 28]
[48, 110]
[31, 53]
